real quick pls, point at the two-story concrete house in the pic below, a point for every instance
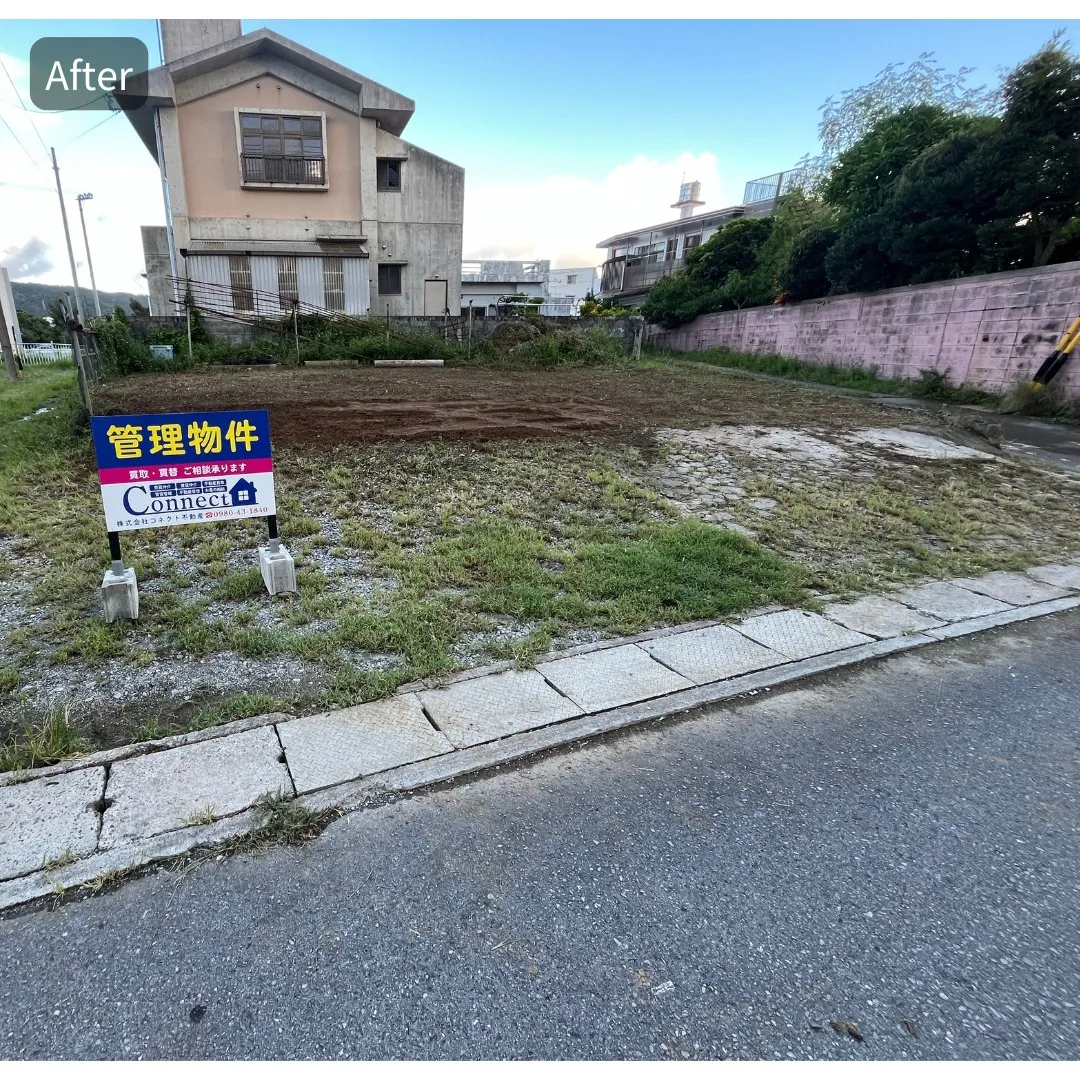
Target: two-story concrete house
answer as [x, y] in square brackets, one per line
[286, 179]
[637, 260]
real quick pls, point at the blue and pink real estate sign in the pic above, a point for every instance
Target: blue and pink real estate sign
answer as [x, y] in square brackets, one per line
[184, 468]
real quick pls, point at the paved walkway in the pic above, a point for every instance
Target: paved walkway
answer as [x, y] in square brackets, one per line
[67, 824]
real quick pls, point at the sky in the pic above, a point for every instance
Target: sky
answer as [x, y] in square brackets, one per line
[568, 131]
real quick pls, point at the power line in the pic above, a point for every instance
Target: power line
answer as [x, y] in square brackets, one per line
[23, 148]
[23, 104]
[89, 129]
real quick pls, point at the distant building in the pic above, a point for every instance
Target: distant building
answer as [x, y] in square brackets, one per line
[486, 282]
[489, 284]
[638, 259]
[288, 182]
[572, 283]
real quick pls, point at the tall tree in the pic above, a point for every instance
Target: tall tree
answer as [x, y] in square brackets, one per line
[1039, 149]
[847, 118]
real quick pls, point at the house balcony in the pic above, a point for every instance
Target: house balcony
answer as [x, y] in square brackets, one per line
[630, 273]
[284, 170]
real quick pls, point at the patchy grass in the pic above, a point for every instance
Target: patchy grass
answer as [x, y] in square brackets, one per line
[282, 821]
[55, 738]
[930, 384]
[419, 558]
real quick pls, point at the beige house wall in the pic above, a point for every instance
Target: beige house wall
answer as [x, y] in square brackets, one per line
[211, 162]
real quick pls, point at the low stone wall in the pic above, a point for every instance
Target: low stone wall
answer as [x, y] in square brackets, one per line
[988, 332]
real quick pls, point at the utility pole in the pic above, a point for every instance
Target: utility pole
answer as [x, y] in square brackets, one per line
[76, 346]
[169, 234]
[5, 347]
[80, 199]
[67, 237]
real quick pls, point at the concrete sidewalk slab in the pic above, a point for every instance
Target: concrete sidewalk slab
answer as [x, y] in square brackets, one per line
[715, 652]
[1012, 588]
[494, 706]
[1064, 575]
[330, 748]
[42, 821]
[948, 602]
[618, 676]
[169, 790]
[879, 617]
[799, 634]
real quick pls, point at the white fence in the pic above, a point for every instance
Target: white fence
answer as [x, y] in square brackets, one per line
[45, 352]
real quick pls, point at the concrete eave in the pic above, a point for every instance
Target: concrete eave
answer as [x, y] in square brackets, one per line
[377, 102]
[679, 225]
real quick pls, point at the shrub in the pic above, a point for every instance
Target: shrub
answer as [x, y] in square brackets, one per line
[564, 348]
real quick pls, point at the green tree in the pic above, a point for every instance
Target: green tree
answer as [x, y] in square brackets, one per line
[847, 118]
[36, 328]
[677, 299]
[865, 176]
[734, 247]
[804, 276]
[1039, 147]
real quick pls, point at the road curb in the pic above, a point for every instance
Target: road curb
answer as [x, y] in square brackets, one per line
[458, 763]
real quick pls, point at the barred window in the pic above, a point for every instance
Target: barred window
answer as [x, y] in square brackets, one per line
[240, 283]
[281, 149]
[287, 285]
[334, 284]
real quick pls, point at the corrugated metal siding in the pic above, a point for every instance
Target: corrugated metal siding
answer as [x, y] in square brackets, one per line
[310, 282]
[357, 300]
[264, 280]
[210, 270]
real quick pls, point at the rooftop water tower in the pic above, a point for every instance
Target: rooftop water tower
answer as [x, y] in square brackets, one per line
[689, 197]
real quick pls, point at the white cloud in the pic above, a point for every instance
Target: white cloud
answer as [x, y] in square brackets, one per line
[562, 217]
[109, 161]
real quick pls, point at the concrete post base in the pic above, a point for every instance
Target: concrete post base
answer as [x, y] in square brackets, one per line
[278, 570]
[120, 591]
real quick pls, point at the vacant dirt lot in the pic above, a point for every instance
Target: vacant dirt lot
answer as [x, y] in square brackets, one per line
[319, 407]
[444, 518]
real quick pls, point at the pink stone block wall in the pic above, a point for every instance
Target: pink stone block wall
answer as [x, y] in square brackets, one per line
[986, 332]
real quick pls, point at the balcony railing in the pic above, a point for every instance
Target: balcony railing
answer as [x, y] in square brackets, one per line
[635, 272]
[283, 170]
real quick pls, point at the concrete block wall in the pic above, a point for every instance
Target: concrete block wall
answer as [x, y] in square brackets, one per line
[628, 330]
[987, 332]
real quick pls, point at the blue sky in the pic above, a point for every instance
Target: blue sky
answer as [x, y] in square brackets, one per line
[568, 130]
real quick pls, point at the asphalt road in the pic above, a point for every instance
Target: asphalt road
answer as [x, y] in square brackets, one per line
[894, 848]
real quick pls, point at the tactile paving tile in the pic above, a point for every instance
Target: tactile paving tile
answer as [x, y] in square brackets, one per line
[1012, 588]
[479, 710]
[799, 634]
[949, 602]
[46, 819]
[611, 677]
[716, 652]
[880, 617]
[1065, 576]
[160, 792]
[330, 748]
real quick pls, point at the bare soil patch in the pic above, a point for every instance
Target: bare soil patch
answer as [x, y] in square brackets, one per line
[354, 405]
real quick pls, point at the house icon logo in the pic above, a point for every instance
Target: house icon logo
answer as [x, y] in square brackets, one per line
[242, 493]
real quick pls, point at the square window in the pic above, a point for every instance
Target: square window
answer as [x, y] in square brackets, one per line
[280, 149]
[571, 279]
[388, 174]
[389, 279]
